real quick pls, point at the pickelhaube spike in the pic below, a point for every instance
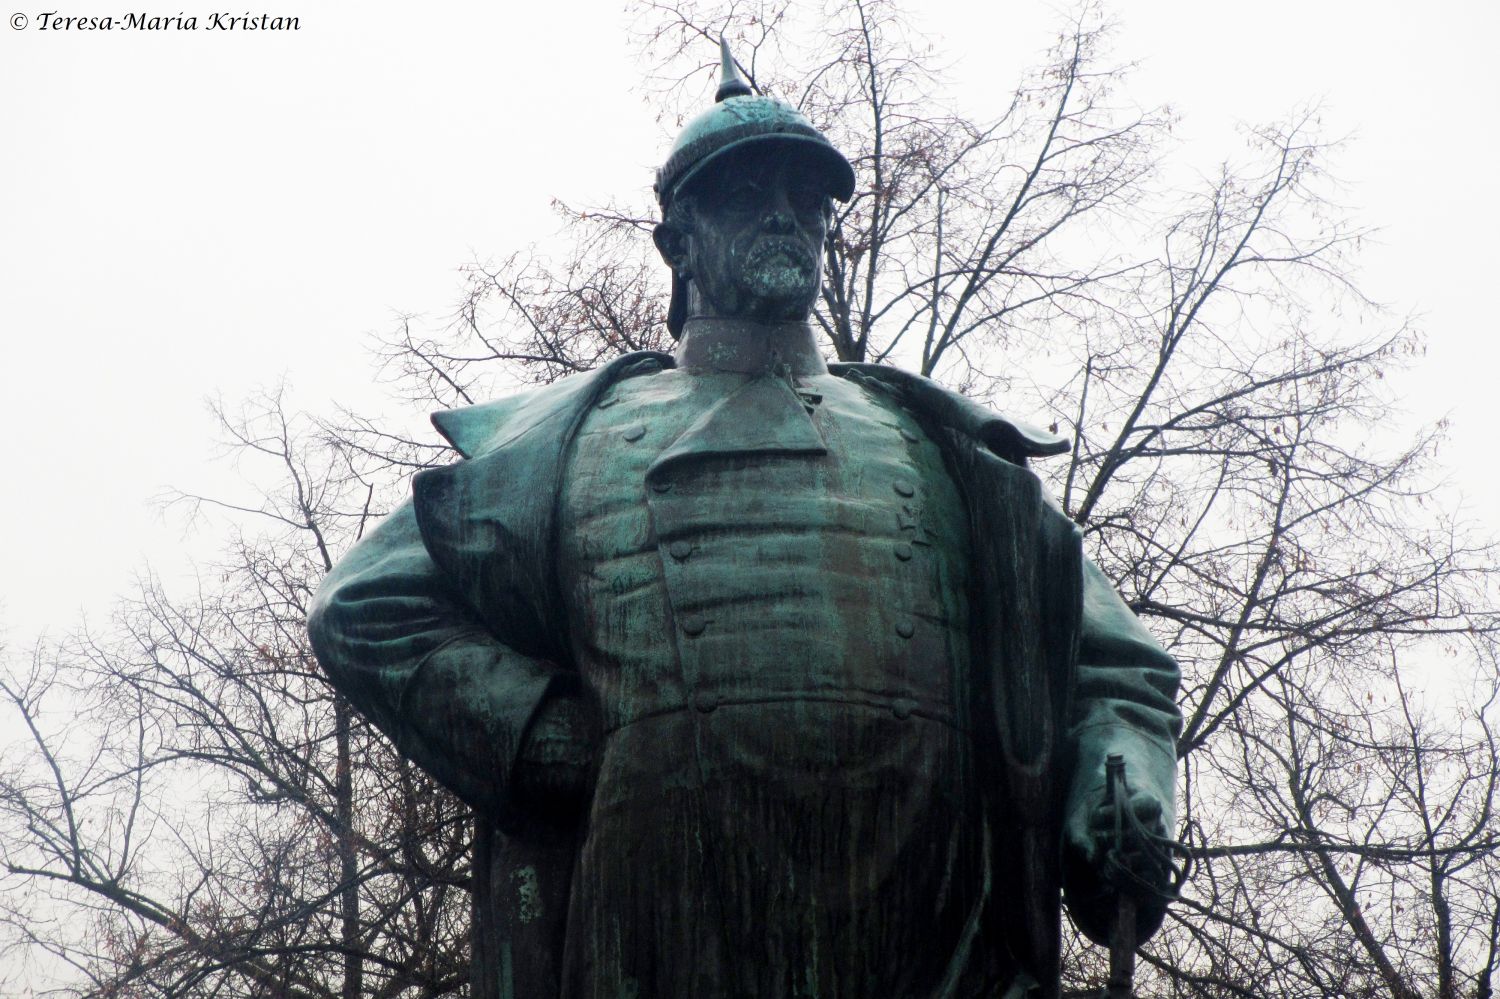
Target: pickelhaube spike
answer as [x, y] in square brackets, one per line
[731, 83]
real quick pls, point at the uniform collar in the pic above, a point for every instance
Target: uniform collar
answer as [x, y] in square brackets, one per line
[744, 346]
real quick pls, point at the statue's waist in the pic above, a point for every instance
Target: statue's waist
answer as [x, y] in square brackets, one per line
[647, 661]
[801, 743]
[786, 707]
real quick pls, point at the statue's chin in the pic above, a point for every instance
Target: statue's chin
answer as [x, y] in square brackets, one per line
[769, 287]
[780, 292]
[781, 303]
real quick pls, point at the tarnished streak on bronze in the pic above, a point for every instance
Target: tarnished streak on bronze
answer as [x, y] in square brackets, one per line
[1030, 563]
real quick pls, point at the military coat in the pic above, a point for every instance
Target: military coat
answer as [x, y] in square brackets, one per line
[447, 627]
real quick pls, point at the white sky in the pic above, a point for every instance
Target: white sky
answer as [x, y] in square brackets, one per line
[191, 213]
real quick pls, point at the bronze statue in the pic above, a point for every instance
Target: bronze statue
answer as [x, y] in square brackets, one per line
[765, 677]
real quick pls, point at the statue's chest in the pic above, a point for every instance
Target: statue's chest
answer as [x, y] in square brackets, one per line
[725, 540]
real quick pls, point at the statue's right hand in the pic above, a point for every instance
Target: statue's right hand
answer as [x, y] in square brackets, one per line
[555, 772]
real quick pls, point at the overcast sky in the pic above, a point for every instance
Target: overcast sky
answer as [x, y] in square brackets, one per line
[191, 213]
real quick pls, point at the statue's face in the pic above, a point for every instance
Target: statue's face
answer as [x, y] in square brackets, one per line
[754, 244]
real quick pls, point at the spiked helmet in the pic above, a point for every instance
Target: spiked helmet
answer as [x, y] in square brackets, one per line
[738, 118]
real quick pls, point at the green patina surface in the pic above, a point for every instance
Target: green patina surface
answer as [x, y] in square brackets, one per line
[528, 894]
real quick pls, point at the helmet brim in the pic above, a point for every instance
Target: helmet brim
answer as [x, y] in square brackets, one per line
[820, 156]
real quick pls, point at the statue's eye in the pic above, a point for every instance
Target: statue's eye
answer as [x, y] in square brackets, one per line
[805, 199]
[743, 196]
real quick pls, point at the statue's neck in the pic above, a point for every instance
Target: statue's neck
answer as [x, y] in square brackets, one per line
[746, 346]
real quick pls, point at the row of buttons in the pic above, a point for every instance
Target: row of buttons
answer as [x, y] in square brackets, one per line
[706, 701]
[903, 551]
[694, 625]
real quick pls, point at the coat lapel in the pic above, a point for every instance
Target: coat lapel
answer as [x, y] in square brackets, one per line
[1012, 439]
[490, 522]
[764, 416]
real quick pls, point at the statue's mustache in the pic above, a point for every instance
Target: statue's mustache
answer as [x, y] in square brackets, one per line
[766, 248]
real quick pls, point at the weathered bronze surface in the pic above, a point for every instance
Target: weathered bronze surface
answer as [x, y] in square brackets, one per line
[765, 677]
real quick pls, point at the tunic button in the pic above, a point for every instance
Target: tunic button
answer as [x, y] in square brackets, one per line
[681, 550]
[902, 707]
[903, 488]
[694, 624]
[635, 433]
[705, 701]
[905, 629]
[903, 551]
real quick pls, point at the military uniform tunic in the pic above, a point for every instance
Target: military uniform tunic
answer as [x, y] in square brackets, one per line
[787, 799]
[765, 583]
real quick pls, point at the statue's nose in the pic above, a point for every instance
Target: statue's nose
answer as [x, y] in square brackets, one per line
[778, 219]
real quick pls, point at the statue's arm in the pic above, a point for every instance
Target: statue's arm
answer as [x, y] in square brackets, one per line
[1124, 703]
[412, 657]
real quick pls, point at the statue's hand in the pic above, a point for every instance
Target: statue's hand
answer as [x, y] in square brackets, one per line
[555, 772]
[1128, 862]
[1100, 868]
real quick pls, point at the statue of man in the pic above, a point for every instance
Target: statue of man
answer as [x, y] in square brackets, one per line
[765, 677]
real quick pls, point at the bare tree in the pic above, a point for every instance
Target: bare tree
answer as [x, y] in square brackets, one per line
[191, 783]
[1232, 469]
[1225, 464]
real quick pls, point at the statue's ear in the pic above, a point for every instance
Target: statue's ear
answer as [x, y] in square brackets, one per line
[672, 243]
